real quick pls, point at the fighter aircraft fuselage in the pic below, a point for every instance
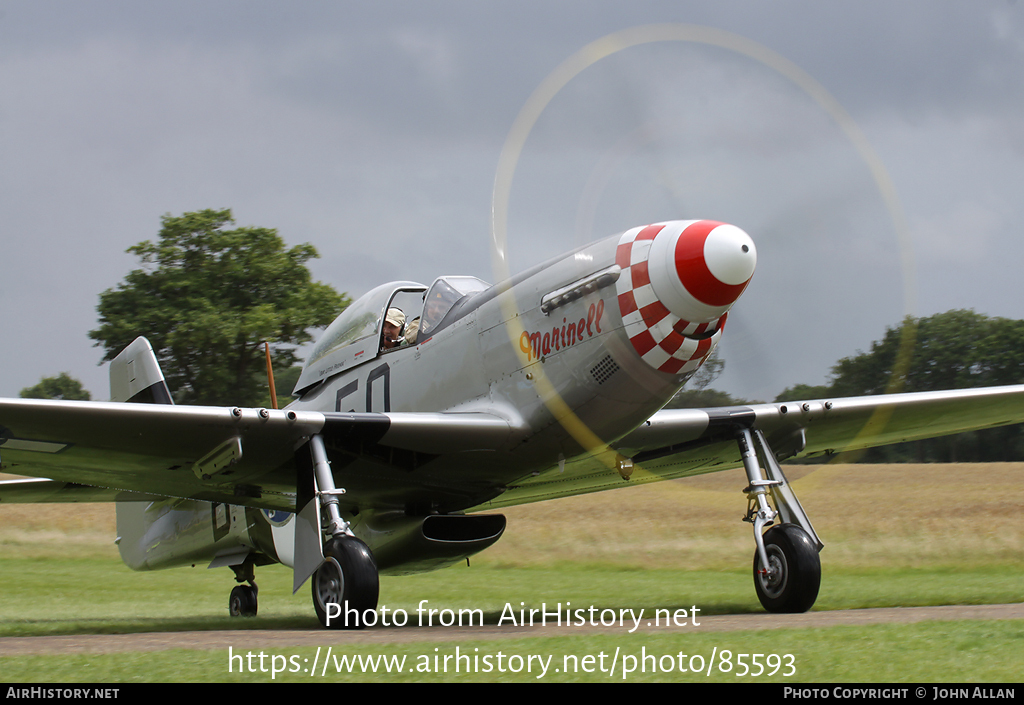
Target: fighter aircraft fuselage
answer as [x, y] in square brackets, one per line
[566, 358]
[551, 343]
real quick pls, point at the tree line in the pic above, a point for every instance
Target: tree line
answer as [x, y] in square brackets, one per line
[958, 349]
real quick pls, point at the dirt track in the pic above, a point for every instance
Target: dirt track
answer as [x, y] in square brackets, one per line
[255, 639]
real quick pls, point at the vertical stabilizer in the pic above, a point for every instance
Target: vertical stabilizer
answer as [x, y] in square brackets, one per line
[135, 375]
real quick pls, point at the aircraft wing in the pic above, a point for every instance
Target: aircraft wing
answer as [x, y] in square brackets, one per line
[676, 443]
[847, 424]
[98, 451]
[824, 426]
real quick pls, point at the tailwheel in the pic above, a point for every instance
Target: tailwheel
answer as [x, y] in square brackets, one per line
[243, 602]
[790, 582]
[346, 585]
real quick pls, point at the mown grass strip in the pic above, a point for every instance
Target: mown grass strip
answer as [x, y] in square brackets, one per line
[99, 595]
[932, 652]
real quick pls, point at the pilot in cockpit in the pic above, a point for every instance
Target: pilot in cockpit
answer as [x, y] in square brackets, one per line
[436, 303]
[394, 322]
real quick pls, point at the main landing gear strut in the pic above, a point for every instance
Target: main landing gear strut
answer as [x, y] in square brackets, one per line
[787, 570]
[347, 583]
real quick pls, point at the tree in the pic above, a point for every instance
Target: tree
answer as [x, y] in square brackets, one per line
[957, 349]
[207, 297]
[883, 370]
[703, 399]
[804, 391]
[63, 386]
[285, 381]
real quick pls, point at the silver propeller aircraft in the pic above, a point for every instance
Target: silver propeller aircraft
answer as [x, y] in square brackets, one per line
[422, 407]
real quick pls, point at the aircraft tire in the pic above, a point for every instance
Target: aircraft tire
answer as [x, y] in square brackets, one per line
[794, 588]
[348, 578]
[243, 602]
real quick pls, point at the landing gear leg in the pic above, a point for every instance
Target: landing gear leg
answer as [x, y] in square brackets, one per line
[347, 583]
[787, 570]
[243, 600]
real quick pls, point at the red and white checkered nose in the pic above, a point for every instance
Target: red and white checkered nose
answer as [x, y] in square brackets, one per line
[678, 281]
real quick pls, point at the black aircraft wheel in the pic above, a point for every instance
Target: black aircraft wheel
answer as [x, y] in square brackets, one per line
[242, 602]
[792, 584]
[346, 586]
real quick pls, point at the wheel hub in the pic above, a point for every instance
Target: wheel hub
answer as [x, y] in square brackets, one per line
[773, 578]
[330, 583]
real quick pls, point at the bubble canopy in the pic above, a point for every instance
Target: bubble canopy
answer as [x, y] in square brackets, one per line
[354, 336]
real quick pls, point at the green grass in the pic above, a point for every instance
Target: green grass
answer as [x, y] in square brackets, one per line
[895, 536]
[934, 652]
[100, 595]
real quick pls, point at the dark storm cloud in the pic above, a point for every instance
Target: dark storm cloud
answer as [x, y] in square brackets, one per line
[373, 131]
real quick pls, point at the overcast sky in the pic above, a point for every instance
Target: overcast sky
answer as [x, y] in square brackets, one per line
[373, 131]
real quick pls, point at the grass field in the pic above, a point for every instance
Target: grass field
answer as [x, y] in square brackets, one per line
[895, 535]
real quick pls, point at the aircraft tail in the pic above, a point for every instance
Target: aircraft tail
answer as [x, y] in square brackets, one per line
[135, 375]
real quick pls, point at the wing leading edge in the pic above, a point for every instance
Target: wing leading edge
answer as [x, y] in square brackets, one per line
[101, 450]
[676, 443]
[846, 424]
